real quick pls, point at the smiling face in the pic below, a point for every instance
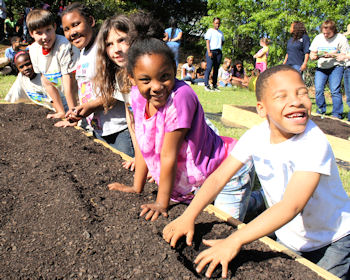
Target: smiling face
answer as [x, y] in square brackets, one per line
[154, 75]
[45, 36]
[24, 65]
[286, 105]
[117, 47]
[77, 29]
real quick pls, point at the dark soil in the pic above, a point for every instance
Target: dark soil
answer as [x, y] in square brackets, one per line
[329, 126]
[59, 221]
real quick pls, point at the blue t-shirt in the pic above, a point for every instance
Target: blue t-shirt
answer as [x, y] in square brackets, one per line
[10, 54]
[296, 50]
[177, 31]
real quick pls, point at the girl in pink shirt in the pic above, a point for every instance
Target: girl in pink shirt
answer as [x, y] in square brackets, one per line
[174, 143]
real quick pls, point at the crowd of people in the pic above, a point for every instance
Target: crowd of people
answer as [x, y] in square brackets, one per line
[120, 83]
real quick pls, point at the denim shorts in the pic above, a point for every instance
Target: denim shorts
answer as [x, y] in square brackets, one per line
[234, 197]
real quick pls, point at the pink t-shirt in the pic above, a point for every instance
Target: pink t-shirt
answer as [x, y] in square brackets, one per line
[202, 150]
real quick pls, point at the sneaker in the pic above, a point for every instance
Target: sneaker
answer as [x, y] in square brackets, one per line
[216, 89]
[208, 88]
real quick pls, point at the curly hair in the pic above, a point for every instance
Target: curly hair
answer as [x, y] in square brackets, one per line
[298, 30]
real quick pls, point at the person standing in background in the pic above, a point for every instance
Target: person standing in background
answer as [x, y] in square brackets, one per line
[324, 48]
[214, 39]
[173, 36]
[3, 11]
[298, 47]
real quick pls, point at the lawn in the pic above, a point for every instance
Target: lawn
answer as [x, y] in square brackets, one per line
[212, 103]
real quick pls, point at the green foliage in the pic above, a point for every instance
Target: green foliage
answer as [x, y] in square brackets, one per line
[244, 22]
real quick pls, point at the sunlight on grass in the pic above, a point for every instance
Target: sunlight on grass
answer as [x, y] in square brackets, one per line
[5, 85]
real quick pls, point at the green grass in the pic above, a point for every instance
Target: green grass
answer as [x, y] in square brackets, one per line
[5, 84]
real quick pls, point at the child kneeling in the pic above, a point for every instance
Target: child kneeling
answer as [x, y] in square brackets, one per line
[309, 208]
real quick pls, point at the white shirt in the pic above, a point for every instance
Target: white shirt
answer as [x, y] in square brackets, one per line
[189, 70]
[326, 216]
[338, 43]
[103, 123]
[215, 37]
[60, 61]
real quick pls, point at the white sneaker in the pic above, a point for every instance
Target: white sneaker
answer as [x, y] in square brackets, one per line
[208, 88]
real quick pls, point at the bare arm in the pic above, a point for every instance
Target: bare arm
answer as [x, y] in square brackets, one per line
[168, 159]
[177, 38]
[285, 59]
[184, 225]
[304, 65]
[297, 194]
[70, 89]
[313, 55]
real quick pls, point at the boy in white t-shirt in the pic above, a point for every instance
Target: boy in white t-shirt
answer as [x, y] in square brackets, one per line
[309, 209]
[53, 56]
[28, 84]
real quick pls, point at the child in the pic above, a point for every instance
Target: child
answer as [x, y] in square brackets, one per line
[188, 70]
[309, 209]
[28, 84]
[238, 76]
[11, 52]
[53, 56]
[109, 126]
[261, 55]
[174, 143]
[224, 75]
[200, 73]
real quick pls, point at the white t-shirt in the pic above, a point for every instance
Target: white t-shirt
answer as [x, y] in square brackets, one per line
[338, 43]
[215, 37]
[326, 216]
[59, 61]
[189, 70]
[25, 89]
[223, 74]
[103, 123]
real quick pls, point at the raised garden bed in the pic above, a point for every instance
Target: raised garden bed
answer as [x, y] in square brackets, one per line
[58, 220]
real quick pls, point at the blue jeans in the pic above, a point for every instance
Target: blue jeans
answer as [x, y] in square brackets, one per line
[175, 50]
[120, 141]
[212, 62]
[334, 257]
[347, 87]
[222, 84]
[234, 197]
[334, 76]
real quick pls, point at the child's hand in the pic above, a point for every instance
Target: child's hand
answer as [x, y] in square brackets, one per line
[65, 123]
[122, 188]
[177, 228]
[72, 115]
[153, 211]
[129, 164]
[222, 251]
[58, 115]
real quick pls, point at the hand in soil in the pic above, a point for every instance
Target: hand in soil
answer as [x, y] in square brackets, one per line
[222, 251]
[73, 116]
[177, 228]
[122, 188]
[59, 115]
[153, 210]
[65, 123]
[129, 164]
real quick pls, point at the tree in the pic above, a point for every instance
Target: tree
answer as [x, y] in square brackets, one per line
[245, 22]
